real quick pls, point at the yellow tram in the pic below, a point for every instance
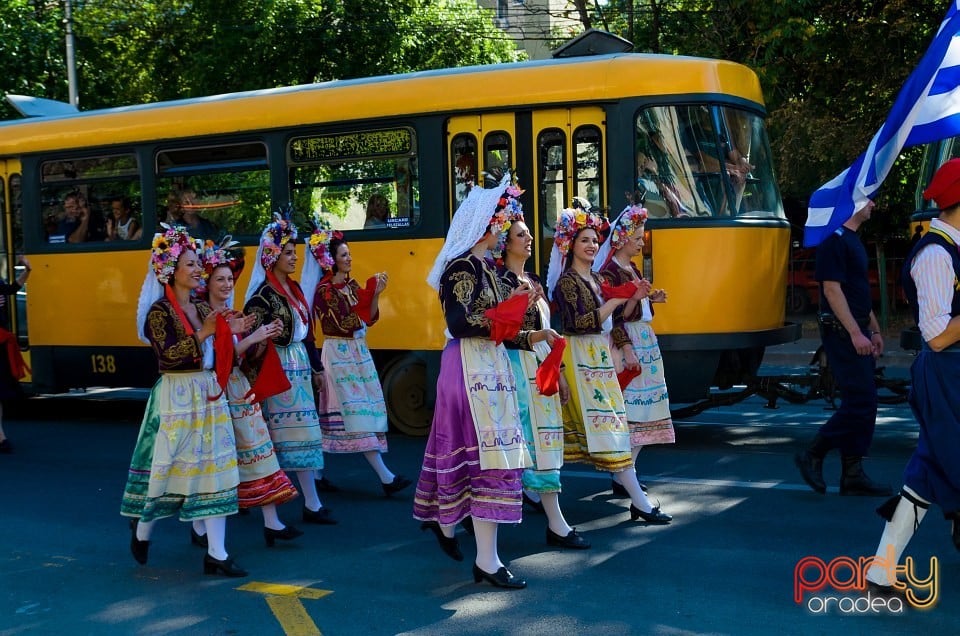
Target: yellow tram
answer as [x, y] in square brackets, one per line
[689, 132]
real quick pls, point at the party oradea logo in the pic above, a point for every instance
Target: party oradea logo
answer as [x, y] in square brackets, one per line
[839, 586]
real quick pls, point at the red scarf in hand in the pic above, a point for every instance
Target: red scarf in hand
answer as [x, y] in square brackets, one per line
[548, 373]
[271, 380]
[223, 355]
[626, 376]
[626, 290]
[506, 318]
[18, 368]
[365, 300]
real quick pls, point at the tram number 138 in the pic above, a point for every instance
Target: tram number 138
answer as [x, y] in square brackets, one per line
[103, 363]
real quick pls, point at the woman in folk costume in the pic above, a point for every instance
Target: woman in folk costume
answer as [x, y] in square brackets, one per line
[475, 454]
[932, 475]
[350, 402]
[594, 419]
[633, 342]
[540, 414]
[185, 460]
[262, 483]
[291, 416]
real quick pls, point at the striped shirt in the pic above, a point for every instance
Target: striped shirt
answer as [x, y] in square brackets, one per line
[932, 271]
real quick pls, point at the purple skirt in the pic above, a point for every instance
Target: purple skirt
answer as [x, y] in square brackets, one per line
[452, 486]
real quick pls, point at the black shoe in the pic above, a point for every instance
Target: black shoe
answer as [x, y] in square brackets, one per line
[500, 578]
[139, 549]
[619, 490]
[573, 540]
[226, 567]
[287, 534]
[6, 447]
[325, 485]
[536, 505]
[654, 516]
[855, 482]
[321, 517]
[811, 469]
[449, 545]
[198, 539]
[399, 483]
[467, 524]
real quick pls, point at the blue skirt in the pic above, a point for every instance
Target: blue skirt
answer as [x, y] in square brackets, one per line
[933, 471]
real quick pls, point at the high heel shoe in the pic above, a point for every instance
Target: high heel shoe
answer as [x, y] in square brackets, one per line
[654, 516]
[198, 539]
[226, 567]
[573, 540]
[501, 578]
[399, 483]
[287, 534]
[325, 485]
[322, 517]
[139, 549]
[619, 490]
[449, 545]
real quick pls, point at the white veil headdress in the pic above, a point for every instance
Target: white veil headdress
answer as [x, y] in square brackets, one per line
[257, 275]
[310, 275]
[606, 249]
[468, 226]
[150, 292]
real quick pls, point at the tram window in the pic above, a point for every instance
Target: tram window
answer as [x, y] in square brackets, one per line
[588, 148]
[215, 190]
[552, 153]
[348, 193]
[76, 196]
[496, 157]
[463, 166]
[701, 161]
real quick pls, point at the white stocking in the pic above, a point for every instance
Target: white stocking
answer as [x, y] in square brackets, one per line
[199, 527]
[376, 462]
[555, 520]
[270, 518]
[896, 535]
[628, 479]
[311, 500]
[216, 537]
[144, 528]
[485, 533]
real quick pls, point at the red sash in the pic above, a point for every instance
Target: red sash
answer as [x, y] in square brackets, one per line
[272, 379]
[18, 368]
[626, 290]
[548, 373]
[168, 292]
[300, 304]
[506, 318]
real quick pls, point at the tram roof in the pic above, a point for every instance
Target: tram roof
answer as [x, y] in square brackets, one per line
[565, 81]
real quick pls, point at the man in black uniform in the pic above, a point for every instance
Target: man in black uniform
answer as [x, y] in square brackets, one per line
[852, 341]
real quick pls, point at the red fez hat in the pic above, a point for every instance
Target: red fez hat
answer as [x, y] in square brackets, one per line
[944, 188]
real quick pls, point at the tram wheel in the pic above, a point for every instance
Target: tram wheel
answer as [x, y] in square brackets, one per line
[798, 302]
[404, 390]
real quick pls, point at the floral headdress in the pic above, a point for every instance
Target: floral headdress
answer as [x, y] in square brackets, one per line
[319, 242]
[167, 248]
[225, 253]
[508, 210]
[631, 219]
[571, 221]
[278, 233]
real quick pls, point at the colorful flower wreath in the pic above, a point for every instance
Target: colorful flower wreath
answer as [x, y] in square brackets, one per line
[167, 248]
[507, 211]
[226, 253]
[278, 233]
[630, 221]
[571, 221]
[319, 243]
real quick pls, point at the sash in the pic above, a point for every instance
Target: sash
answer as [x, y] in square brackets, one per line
[300, 302]
[492, 395]
[601, 402]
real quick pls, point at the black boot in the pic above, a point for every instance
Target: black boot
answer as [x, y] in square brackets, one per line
[810, 463]
[855, 482]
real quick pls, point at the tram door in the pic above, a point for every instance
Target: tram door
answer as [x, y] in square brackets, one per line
[568, 162]
[480, 148]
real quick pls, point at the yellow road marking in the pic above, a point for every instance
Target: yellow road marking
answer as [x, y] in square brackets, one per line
[285, 603]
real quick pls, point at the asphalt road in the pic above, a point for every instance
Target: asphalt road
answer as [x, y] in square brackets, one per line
[726, 565]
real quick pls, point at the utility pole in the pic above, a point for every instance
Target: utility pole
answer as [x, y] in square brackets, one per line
[71, 59]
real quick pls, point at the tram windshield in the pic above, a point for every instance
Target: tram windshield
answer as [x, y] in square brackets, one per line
[700, 161]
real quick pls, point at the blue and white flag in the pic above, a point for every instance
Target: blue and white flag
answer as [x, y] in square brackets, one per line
[927, 109]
